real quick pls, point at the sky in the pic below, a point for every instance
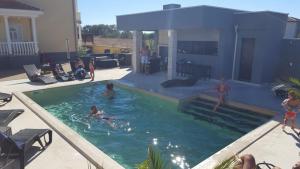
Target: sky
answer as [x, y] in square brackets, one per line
[105, 11]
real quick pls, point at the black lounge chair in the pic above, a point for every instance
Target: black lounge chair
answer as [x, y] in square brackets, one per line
[179, 82]
[61, 75]
[34, 75]
[6, 116]
[18, 144]
[5, 97]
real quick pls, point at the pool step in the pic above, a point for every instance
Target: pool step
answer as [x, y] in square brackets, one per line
[225, 116]
[227, 110]
[234, 118]
[236, 109]
[216, 121]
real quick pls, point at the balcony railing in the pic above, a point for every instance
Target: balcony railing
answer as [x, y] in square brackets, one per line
[18, 48]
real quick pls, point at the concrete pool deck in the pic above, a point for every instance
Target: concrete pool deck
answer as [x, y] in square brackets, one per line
[65, 156]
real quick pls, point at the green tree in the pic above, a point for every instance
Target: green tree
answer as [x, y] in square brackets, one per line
[153, 161]
[296, 86]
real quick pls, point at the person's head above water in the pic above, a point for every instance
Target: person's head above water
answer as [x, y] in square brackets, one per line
[109, 86]
[94, 109]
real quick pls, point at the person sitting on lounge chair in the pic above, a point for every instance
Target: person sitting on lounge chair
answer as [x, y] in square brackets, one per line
[80, 72]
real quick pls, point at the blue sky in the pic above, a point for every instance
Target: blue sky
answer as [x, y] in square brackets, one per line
[105, 11]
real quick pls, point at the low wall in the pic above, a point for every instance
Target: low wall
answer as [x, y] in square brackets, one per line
[17, 62]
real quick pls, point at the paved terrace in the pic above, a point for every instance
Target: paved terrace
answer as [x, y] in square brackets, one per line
[270, 148]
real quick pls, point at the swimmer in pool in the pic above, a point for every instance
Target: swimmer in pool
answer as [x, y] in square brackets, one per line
[100, 114]
[109, 92]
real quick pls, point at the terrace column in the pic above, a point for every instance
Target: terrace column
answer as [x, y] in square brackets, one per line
[156, 36]
[172, 54]
[8, 39]
[34, 35]
[136, 48]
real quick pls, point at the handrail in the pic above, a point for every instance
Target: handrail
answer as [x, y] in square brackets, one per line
[18, 48]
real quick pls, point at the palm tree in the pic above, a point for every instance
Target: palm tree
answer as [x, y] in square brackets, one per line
[153, 161]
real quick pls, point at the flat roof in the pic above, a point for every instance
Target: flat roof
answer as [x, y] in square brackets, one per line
[202, 16]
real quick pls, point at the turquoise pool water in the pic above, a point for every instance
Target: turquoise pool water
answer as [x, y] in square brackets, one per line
[140, 120]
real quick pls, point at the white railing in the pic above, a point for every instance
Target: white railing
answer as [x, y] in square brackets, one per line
[4, 49]
[18, 48]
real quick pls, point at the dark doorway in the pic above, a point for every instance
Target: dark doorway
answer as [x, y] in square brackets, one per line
[247, 54]
[163, 53]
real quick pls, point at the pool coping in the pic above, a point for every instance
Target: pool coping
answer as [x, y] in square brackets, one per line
[93, 154]
[100, 160]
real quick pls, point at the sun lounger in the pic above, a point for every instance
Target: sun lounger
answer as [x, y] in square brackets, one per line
[19, 143]
[6, 116]
[61, 75]
[179, 82]
[5, 97]
[34, 75]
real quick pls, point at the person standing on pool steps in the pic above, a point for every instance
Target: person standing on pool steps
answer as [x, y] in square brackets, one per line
[222, 90]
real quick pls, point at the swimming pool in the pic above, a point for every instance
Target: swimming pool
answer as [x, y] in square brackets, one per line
[141, 120]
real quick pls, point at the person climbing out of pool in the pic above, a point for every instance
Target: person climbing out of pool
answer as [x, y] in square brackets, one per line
[92, 69]
[222, 89]
[109, 92]
[100, 114]
[291, 104]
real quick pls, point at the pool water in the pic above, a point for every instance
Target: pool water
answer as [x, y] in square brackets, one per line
[140, 120]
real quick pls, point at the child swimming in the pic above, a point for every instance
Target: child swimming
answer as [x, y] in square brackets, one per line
[291, 104]
[100, 114]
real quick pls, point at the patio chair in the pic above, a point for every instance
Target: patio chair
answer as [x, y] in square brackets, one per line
[34, 75]
[5, 97]
[6, 116]
[67, 67]
[60, 74]
[18, 144]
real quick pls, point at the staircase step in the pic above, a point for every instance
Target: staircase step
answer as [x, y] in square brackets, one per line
[242, 113]
[216, 121]
[225, 106]
[226, 116]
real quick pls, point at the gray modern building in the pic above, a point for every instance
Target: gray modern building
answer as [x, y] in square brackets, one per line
[239, 45]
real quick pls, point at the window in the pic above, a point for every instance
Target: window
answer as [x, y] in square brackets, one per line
[198, 47]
